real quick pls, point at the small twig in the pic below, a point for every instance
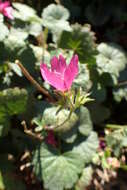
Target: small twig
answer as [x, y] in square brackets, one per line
[34, 82]
[27, 165]
[44, 43]
[122, 83]
[30, 133]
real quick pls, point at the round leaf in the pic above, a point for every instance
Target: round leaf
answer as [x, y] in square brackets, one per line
[111, 59]
[52, 118]
[58, 172]
[88, 147]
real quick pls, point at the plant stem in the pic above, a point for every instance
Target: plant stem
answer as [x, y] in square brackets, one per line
[44, 42]
[34, 82]
[113, 126]
[30, 133]
[122, 83]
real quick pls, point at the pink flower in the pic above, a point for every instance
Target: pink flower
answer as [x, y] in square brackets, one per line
[60, 75]
[6, 9]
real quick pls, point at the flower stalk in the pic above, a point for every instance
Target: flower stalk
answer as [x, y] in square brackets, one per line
[34, 82]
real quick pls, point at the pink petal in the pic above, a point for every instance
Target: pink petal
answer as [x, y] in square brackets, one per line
[8, 12]
[4, 5]
[71, 71]
[62, 64]
[52, 78]
[58, 66]
[54, 64]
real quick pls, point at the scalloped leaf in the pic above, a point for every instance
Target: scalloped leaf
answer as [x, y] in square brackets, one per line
[52, 118]
[25, 13]
[85, 123]
[15, 40]
[81, 41]
[111, 59]
[84, 126]
[87, 148]
[85, 178]
[58, 172]
[55, 12]
[53, 15]
[55, 19]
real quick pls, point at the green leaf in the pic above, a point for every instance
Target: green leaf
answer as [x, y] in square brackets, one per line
[111, 59]
[3, 31]
[34, 29]
[2, 187]
[87, 148]
[54, 119]
[15, 68]
[58, 172]
[55, 12]
[98, 92]
[124, 141]
[53, 15]
[120, 93]
[85, 178]
[13, 100]
[118, 138]
[25, 13]
[55, 19]
[4, 126]
[80, 120]
[85, 123]
[1, 18]
[114, 141]
[81, 41]
[16, 40]
[99, 113]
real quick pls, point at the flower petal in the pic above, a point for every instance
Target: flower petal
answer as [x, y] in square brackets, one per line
[4, 5]
[58, 66]
[8, 12]
[52, 78]
[54, 64]
[71, 71]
